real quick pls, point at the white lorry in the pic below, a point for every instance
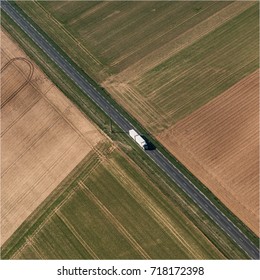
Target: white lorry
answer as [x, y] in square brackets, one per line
[138, 139]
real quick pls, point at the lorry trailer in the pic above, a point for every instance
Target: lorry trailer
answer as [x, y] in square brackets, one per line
[138, 139]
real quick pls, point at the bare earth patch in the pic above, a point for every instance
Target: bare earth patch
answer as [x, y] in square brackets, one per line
[44, 136]
[219, 144]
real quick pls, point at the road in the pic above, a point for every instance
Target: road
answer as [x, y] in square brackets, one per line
[198, 197]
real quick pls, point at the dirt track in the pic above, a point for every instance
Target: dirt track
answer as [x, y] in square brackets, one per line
[27, 79]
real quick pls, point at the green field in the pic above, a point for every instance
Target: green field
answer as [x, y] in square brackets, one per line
[111, 31]
[109, 209]
[202, 71]
[121, 33]
[205, 47]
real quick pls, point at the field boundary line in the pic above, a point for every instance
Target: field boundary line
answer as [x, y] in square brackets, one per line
[160, 55]
[63, 116]
[163, 220]
[146, 42]
[170, 114]
[78, 43]
[29, 243]
[114, 221]
[52, 213]
[77, 235]
[133, 97]
[219, 188]
[101, 159]
[170, 201]
[42, 176]
[90, 11]
[80, 134]
[180, 143]
[43, 223]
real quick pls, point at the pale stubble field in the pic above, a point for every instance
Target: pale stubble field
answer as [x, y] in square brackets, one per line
[44, 136]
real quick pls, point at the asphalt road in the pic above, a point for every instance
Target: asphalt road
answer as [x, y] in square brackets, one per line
[198, 197]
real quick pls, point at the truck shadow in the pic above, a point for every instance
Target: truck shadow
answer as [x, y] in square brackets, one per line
[150, 145]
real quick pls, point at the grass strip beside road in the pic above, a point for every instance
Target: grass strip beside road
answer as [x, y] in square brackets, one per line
[97, 115]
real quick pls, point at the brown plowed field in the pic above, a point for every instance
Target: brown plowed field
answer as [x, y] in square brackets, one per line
[43, 137]
[219, 143]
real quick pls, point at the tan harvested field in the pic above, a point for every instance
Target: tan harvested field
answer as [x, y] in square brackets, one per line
[44, 136]
[125, 217]
[219, 143]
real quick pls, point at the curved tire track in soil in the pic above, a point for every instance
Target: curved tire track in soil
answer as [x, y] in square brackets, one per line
[28, 79]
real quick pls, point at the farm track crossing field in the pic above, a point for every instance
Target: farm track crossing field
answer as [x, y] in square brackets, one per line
[219, 143]
[43, 137]
[113, 211]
